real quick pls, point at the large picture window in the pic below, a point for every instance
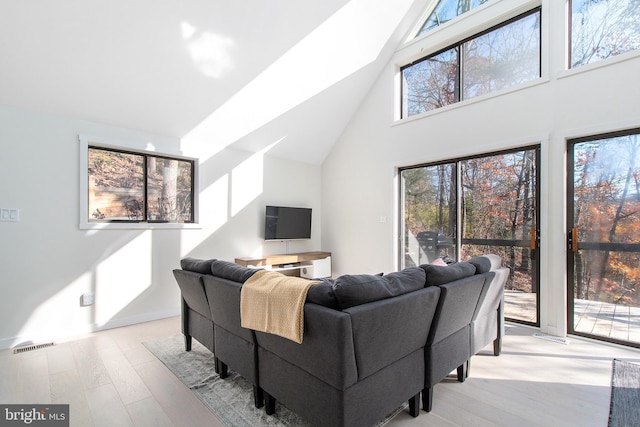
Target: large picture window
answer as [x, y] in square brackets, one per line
[138, 187]
[602, 29]
[496, 59]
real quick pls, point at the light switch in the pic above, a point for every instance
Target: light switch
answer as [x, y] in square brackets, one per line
[9, 214]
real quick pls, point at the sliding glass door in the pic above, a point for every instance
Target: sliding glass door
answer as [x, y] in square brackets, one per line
[429, 213]
[466, 207]
[604, 237]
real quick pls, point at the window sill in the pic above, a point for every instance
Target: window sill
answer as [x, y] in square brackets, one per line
[138, 226]
[623, 57]
[467, 102]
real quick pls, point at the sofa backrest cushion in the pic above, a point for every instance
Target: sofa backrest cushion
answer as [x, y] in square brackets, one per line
[322, 293]
[356, 289]
[391, 329]
[482, 264]
[230, 271]
[202, 266]
[456, 306]
[439, 275]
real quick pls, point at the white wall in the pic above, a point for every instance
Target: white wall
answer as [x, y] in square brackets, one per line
[47, 262]
[359, 175]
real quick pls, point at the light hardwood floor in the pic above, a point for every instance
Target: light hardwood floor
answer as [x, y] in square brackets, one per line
[110, 379]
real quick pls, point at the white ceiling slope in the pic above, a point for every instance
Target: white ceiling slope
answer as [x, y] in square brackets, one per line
[282, 75]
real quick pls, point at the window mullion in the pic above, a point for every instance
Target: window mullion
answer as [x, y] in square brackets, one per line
[146, 188]
[459, 81]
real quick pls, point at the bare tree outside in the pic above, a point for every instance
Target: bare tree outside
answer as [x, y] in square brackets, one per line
[603, 28]
[498, 211]
[430, 84]
[429, 194]
[604, 255]
[122, 189]
[504, 57]
[607, 210]
[169, 190]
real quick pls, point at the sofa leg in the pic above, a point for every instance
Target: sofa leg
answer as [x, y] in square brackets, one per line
[462, 372]
[258, 396]
[216, 365]
[468, 370]
[497, 346]
[269, 404]
[414, 405]
[187, 343]
[427, 398]
[222, 367]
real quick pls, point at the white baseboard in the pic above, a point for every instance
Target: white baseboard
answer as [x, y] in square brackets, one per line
[70, 334]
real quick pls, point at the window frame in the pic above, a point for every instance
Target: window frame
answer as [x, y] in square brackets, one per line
[417, 33]
[85, 220]
[631, 53]
[458, 46]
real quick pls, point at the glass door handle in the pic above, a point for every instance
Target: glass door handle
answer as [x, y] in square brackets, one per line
[574, 240]
[534, 238]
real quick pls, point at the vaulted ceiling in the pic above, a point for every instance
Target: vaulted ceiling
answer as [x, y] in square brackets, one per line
[249, 74]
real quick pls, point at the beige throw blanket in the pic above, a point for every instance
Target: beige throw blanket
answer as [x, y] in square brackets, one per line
[274, 303]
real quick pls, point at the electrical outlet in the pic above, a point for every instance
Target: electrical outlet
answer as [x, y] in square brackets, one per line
[88, 298]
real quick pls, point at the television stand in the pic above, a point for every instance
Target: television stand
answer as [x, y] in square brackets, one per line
[311, 265]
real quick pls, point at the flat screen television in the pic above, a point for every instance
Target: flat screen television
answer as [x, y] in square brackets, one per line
[287, 223]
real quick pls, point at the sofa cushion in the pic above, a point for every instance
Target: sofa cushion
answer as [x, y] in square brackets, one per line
[439, 275]
[352, 290]
[202, 266]
[322, 294]
[481, 263]
[230, 271]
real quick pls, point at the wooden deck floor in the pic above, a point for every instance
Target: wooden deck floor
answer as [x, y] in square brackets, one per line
[606, 319]
[590, 317]
[520, 306]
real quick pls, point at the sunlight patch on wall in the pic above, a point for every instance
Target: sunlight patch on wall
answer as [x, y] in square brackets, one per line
[246, 182]
[210, 52]
[349, 40]
[247, 179]
[214, 200]
[122, 277]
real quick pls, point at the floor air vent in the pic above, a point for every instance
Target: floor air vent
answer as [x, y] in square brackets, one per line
[552, 338]
[32, 347]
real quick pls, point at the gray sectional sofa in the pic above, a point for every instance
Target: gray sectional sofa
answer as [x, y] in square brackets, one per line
[371, 342]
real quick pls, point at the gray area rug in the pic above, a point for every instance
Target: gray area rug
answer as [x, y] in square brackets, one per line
[230, 399]
[624, 409]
